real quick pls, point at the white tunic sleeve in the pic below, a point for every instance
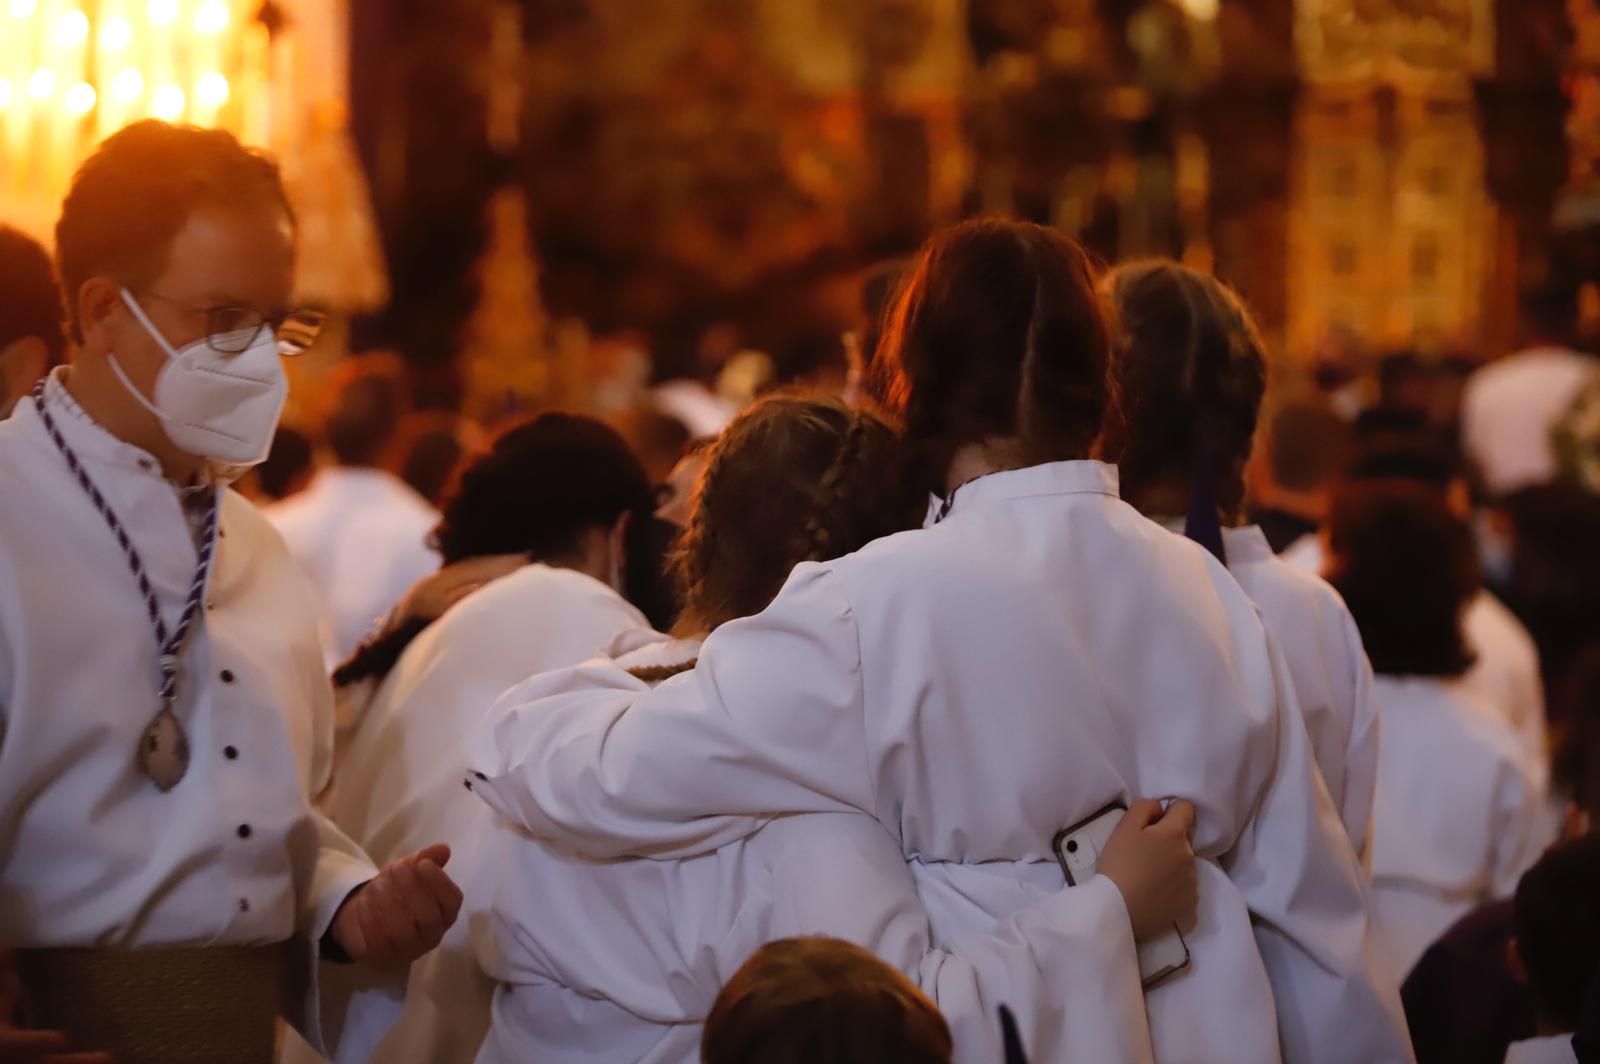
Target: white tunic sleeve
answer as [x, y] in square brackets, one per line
[1361, 753]
[1065, 966]
[771, 721]
[1335, 999]
[1520, 832]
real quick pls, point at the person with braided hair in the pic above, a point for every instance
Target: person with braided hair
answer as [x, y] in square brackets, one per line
[614, 961]
[1189, 368]
[1037, 651]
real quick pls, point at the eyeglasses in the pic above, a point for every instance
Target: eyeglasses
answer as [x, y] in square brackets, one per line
[231, 330]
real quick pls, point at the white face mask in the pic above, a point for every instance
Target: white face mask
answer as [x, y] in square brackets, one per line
[211, 405]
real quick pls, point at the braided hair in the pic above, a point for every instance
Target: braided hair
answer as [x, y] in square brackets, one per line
[1188, 374]
[996, 334]
[793, 479]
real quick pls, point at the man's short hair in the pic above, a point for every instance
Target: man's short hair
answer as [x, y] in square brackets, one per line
[30, 299]
[132, 197]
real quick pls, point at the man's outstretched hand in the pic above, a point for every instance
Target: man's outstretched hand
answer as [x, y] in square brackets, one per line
[401, 913]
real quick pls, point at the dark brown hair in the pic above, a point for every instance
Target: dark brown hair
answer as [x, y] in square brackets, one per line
[995, 334]
[542, 485]
[1188, 371]
[1406, 567]
[134, 194]
[792, 479]
[31, 305]
[823, 1001]
[1557, 926]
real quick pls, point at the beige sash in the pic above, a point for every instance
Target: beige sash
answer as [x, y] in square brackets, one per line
[165, 1006]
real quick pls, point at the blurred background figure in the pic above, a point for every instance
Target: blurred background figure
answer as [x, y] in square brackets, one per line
[358, 530]
[32, 339]
[1556, 949]
[1291, 475]
[1464, 1004]
[288, 470]
[433, 445]
[1510, 406]
[1457, 814]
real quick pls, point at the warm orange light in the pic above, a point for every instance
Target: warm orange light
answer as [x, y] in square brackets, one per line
[42, 84]
[116, 34]
[162, 12]
[168, 103]
[211, 17]
[128, 85]
[6, 93]
[23, 8]
[212, 90]
[72, 29]
[80, 98]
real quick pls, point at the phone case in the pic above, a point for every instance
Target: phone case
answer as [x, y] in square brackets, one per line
[1078, 849]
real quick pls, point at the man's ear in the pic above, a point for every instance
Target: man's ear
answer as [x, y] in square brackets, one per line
[1514, 965]
[99, 305]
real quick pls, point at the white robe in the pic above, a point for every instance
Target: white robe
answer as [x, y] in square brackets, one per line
[1457, 819]
[399, 789]
[1332, 679]
[968, 687]
[361, 535]
[91, 853]
[1509, 407]
[604, 962]
[1504, 678]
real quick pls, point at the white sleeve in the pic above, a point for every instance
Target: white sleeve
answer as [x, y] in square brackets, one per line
[1065, 966]
[769, 722]
[1294, 864]
[1521, 833]
[1361, 753]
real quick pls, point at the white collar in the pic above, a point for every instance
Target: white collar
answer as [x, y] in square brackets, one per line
[89, 441]
[1246, 543]
[1084, 477]
[93, 445]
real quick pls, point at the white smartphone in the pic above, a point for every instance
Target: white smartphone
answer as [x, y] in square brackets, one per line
[1078, 849]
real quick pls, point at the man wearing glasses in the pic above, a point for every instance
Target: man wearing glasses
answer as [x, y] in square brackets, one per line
[164, 713]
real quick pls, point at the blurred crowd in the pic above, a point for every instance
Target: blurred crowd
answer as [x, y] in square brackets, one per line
[1399, 788]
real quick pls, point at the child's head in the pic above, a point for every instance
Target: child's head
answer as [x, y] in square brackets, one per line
[1556, 923]
[1406, 567]
[1188, 371]
[791, 480]
[821, 999]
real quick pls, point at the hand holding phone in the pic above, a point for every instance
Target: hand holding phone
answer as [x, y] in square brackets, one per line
[1146, 852]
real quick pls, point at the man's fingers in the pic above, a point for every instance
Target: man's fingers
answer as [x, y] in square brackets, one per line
[438, 853]
[399, 929]
[374, 926]
[443, 889]
[415, 897]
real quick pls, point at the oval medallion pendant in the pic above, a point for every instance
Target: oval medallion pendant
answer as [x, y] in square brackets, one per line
[164, 751]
